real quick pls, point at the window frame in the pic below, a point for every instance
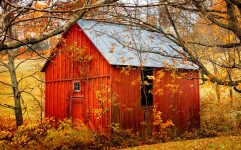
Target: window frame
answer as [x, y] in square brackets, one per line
[74, 86]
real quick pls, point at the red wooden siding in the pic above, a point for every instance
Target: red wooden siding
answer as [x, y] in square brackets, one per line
[59, 84]
[127, 88]
[178, 98]
[119, 94]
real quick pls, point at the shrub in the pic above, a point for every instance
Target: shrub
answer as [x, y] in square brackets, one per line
[6, 135]
[198, 133]
[161, 130]
[123, 138]
[65, 136]
[218, 117]
[50, 134]
[7, 124]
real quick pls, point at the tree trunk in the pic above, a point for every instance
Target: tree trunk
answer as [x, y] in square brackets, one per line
[231, 98]
[16, 93]
[18, 110]
[217, 88]
[148, 121]
[10, 35]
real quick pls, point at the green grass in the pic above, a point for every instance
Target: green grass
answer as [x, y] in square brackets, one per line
[226, 143]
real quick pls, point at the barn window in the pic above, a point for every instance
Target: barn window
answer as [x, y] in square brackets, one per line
[76, 86]
[146, 88]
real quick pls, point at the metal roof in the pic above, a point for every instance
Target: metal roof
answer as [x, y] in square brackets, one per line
[126, 45]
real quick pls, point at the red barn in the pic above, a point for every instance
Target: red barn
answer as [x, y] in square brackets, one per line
[115, 73]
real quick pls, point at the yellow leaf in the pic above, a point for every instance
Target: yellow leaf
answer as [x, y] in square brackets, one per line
[150, 77]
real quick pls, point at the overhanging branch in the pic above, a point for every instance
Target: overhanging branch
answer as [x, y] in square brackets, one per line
[61, 29]
[7, 106]
[228, 45]
[236, 89]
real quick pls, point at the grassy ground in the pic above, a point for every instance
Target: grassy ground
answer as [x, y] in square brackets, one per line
[227, 143]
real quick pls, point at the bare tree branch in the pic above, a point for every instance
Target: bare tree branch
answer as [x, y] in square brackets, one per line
[7, 106]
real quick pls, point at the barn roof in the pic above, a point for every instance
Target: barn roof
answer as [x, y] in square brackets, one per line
[128, 45]
[131, 46]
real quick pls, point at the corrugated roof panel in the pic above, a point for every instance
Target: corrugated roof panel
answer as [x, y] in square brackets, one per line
[124, 45]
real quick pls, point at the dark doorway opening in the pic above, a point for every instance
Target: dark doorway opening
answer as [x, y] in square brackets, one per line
[147, 86]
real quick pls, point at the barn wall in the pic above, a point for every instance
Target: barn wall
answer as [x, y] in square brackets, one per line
[126, 92]
[98, 78]
[57, 91]
[178, 97]
[94, 76]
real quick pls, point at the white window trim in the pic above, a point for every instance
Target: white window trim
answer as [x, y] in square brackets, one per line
[74, 86]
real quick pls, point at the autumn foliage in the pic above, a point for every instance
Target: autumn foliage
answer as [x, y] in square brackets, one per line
[57, 134]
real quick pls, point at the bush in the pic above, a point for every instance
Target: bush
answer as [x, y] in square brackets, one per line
[7, 124]
[65, 136]
[6, 135]
[49, 135]
[124, 138]
[53, 134]
[198, 133]
[218, 117]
